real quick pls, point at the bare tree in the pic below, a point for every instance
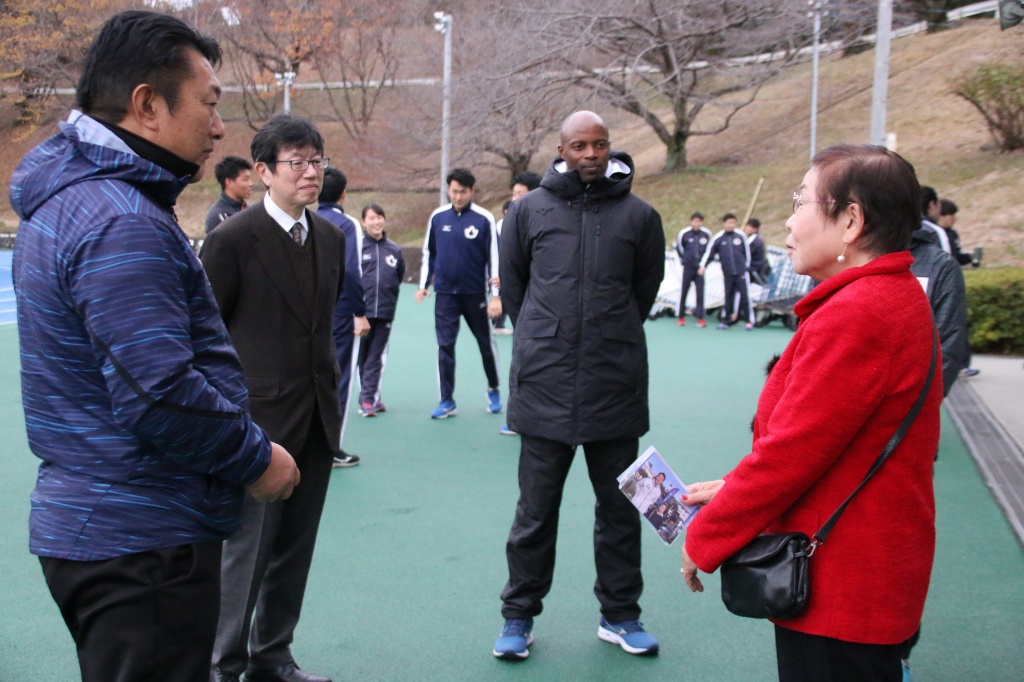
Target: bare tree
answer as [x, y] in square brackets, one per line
[665, 61]
[996, 90]
[502, 113]
[270, 37]
[42, 46]
[364, 56]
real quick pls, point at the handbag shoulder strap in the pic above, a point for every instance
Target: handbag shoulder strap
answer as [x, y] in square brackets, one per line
[819, 537]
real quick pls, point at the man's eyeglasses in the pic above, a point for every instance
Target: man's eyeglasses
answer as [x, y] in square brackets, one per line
[299, 165]
[799, 201]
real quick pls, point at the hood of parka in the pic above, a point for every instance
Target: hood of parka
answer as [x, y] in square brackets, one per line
[567, 184]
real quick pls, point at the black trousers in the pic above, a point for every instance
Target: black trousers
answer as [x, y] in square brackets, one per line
[141, 617]
[345, 347]
[373, 357]
[448, 308]
[812, 658]
[690, 276]
[737, 298]
[543, 467]
[266, 566]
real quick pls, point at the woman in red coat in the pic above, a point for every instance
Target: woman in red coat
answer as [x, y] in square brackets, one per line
[845, 382]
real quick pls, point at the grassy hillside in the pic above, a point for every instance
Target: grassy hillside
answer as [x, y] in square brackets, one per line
[943, 136]
[939, 133]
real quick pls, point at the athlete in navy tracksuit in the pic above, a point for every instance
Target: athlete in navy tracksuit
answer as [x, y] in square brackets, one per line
[732, 250]
[350, 310]
[383, 272]
[691, 245]
[759, 267]
[460, 254]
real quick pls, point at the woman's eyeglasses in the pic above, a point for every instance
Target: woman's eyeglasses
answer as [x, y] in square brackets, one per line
[799, 201]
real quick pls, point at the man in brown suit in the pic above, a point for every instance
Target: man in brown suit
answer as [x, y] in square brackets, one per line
[276, 270]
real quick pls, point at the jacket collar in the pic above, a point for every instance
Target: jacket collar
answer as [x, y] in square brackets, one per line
[568, 185]
[889, 264]
[172, 163]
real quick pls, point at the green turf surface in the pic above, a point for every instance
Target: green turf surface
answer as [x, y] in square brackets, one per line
[410, 561]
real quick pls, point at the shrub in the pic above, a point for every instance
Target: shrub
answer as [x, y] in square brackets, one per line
[997, 91]
[995, 308]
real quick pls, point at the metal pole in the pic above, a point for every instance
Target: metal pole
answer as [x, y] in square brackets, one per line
[816, 6]
[444, 25]
[879, 94]
[286, 80]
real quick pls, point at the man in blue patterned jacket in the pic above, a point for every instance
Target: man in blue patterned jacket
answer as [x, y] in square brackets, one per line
[134, 397]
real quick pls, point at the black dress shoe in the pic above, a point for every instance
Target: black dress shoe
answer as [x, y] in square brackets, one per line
[218, 675]
[289, 672]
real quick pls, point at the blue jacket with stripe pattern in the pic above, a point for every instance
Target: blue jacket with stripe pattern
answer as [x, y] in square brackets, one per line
[134, 397]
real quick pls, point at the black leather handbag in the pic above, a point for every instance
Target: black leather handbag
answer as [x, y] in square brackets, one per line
[769, 577]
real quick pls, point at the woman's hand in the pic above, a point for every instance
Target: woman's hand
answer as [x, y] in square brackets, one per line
[690, 573]
[701, 493]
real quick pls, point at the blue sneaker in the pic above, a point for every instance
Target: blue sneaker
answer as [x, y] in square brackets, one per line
[630, 635]
[907, 675]
[505, 431]
[493, 400]
[444, 410]
[515, 637]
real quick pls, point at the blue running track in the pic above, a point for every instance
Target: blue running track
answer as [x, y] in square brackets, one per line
[8, 312]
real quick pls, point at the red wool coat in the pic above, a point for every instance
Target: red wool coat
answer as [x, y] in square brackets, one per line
[843, 385]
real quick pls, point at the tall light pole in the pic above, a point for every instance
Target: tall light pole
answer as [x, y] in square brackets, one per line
[286, 79]
[443, 24]
[879, 93]
[816, 13]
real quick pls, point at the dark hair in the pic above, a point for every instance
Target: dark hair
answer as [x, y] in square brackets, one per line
[281, 132]
[881, 182]
[697, 214]
[375, 208]
[529, 180]
[463, 176]
[947, 207]
[137, 47]
[928, 196]
[728, 216]
[334, 185]
[507, 205]
[229, 168]
[754, 223]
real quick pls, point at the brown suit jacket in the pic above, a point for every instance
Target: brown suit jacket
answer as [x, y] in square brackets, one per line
[287, 353]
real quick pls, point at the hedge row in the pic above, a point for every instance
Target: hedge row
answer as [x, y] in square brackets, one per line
[995, 307]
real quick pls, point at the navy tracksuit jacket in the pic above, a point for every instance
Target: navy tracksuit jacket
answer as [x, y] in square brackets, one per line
[460, 253]
[383, 272]
[733, 252]
[691, 245]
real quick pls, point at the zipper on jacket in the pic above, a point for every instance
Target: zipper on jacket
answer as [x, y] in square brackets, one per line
[376, 308]
[579, 316]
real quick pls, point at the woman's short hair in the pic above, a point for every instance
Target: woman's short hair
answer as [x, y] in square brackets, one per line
[881, 182]
[375, 208]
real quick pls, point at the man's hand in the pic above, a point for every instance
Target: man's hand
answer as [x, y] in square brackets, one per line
[421, 294]
[361, 326]
[700, 272]
[279, 479]
[494, 308]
